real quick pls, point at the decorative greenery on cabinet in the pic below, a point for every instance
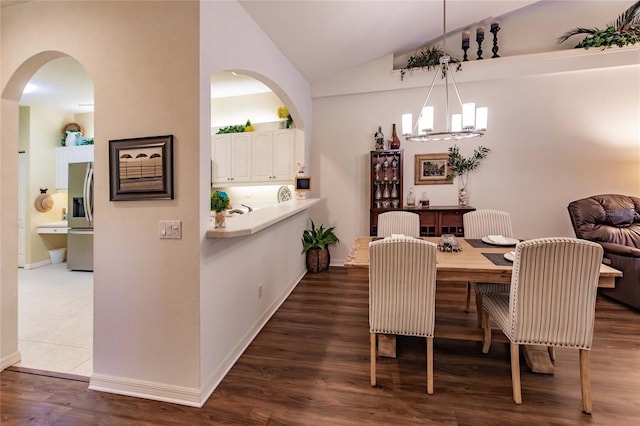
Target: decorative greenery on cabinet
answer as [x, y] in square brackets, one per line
[623, 32]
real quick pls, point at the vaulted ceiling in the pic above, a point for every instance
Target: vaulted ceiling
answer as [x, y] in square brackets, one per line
[320, 37]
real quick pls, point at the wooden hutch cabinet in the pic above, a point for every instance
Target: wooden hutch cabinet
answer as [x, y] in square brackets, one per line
[386, 194]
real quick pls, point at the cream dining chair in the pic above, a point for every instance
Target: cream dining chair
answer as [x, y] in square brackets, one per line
[551, 303]
[402, 287]
[398, 222]
[478, 224]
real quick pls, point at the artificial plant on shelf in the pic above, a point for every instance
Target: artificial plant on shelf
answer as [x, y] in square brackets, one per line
[461, 166]
[427, 57]
[283, 114]
[315, 243]
[624, 31]
[219, 203]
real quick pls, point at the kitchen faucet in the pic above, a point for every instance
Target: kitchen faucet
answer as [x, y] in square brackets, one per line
[244, 205]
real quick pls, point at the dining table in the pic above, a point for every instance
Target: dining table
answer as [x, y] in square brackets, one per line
[478, 260]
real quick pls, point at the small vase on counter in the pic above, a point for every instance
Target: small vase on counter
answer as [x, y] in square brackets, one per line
[220, 220]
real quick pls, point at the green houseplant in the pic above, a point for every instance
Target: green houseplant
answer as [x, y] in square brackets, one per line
[461, 166]
[219, 203]
[315, 243]
[427, 57]
[624, 31]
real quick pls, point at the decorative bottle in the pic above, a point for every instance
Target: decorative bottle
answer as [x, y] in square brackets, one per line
[379, 139]
[424, 201]
[394, 143]
[411, 199]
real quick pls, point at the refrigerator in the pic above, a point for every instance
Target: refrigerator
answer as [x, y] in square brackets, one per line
[80, 216]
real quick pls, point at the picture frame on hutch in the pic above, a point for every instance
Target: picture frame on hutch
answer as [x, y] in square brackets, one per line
[432, 169]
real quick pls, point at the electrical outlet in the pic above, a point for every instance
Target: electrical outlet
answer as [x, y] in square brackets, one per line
[170, 229]
[259, 290]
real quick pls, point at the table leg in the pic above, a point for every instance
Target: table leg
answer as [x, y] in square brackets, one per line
[537, 358]
[387, 345]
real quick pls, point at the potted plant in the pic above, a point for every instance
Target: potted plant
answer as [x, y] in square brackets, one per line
[461, 166]
[219, 203]
[315, 243]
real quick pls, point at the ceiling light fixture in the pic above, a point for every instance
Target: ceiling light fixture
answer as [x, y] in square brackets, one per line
[470, 123]
[29, 88]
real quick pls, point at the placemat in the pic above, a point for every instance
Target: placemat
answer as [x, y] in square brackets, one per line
[497, 259]
[478, 243]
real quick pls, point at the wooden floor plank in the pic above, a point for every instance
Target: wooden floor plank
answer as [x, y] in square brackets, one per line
[310, 366]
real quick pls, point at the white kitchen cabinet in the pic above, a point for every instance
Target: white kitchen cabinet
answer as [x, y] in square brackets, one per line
[70, 154]
[271, 157]
[231, 155]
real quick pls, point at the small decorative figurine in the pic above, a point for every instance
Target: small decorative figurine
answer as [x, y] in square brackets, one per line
[379, 139]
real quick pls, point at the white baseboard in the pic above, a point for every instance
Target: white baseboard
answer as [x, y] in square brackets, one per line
[9, 360]
[190, 396]
[148, 390]
[232, 357]
[37, 264]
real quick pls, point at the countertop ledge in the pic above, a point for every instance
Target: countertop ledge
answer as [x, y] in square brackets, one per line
[256, 221]
[57, 224]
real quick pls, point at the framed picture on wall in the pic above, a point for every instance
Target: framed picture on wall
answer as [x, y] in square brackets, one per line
[141, 168]
[432, 169]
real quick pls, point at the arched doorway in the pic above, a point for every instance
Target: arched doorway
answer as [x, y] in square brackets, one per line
[240, 97]
[34, 122]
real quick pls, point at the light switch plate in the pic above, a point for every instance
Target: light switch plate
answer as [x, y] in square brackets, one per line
[170, 229]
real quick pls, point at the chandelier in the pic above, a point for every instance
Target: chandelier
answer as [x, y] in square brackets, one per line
[470, 123]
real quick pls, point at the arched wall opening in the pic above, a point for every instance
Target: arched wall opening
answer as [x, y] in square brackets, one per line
[36, 132]
[240, 96]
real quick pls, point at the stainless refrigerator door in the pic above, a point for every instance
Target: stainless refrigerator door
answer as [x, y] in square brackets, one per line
[80, 195]
[80, 250]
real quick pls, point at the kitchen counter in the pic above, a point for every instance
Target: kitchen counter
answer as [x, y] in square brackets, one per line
[257, 220]
[58, 227]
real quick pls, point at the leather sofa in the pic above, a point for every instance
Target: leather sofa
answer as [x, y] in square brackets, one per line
[613, 221]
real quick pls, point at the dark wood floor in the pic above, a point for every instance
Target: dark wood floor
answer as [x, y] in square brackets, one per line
[310, 366]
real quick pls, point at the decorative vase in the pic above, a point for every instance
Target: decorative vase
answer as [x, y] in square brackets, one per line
[463, 197]
[220, 220]
[318, 259]
[394, 143]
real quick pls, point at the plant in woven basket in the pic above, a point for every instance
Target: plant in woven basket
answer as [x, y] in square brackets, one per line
[315, 243]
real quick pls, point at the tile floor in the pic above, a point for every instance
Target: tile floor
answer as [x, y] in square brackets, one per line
[55, 319]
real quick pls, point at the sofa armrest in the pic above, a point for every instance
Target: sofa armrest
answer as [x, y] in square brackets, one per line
[620, 249]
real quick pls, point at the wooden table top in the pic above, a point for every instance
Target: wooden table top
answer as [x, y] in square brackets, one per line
[467, 265]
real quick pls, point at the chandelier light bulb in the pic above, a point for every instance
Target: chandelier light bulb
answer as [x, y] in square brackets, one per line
[468, 115]
[482, 114]
[425, 123]
[456, 123]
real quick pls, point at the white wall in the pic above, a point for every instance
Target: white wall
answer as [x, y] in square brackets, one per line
[562, 126]
[230, 309]
[257, 107]
[146, 309]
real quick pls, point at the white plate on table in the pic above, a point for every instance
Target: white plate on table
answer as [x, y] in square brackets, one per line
[510, 256]
[507, 241]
